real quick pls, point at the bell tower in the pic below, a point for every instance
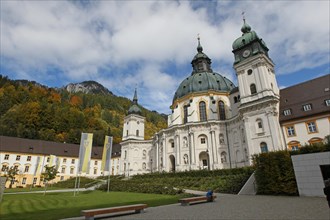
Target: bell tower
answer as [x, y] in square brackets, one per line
[259, 93]
[134, 122]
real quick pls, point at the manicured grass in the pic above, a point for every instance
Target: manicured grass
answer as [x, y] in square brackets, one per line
[65, 205]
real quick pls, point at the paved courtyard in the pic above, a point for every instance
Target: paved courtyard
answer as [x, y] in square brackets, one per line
[240, 207]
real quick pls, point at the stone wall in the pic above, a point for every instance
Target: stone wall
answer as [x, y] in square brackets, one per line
[308, 172]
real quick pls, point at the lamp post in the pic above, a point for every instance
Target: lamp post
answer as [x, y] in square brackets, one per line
[151, 165]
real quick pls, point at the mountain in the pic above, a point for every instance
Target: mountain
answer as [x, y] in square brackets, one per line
[87, 87]
[31, 110]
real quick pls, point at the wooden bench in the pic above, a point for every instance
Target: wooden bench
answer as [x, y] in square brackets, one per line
[187, 201]
[89, 214]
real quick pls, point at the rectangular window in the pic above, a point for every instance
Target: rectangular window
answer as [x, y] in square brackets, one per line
[311, 127]
[172, 144]
[13, 181]
[95, 162]
[18, 157]
[64, 160]
[28, 158]
[185, 114]
[35, 180]
[327, 102]
[204, 163]
[62, 178]
[26, 169]
[48, 159]
[307, 107]
[95, 171]
[287, 112]
[71, 170]
[63, 170]
[203, 141]
[290, 131]
[72, 161]
[7, 157]
[24, 181]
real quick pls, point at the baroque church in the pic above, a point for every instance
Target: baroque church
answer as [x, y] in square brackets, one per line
[214, 124]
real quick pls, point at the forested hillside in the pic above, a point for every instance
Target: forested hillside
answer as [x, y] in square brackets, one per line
[30, 110]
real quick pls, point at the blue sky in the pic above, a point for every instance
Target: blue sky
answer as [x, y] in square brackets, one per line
[150, 44]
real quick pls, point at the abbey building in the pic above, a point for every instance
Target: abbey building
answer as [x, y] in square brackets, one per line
[214, 124]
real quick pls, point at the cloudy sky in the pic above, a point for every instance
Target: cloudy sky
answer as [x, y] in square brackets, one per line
[150, 44]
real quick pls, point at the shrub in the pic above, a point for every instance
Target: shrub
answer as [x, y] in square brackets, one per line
[274, 173]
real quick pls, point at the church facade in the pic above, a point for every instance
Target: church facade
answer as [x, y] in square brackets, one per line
[214, 124]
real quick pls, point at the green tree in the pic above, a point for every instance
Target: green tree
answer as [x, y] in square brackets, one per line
[10, 174]
[49, 174]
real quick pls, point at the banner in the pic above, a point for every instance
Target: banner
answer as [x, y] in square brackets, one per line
[106, 156]
[85, 152]
[38, 169]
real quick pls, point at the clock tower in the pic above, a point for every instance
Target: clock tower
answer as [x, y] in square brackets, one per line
[259, 93]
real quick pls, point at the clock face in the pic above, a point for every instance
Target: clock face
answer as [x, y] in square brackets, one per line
[246, 53]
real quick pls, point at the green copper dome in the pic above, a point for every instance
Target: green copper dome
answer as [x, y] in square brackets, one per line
[203, 82]
[135, 109]
[203, 78]
[247, 37]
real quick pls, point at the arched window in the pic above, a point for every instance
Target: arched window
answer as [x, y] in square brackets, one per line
[253, 89]
[222, 112]
[144, 154]
[137, 133]
[144, 166]
[202, 111]
[294, 145]
[223, 157]
[235, 99]
[263, 147]
[125, 154]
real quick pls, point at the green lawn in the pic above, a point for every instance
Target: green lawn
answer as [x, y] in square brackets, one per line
[64, 205]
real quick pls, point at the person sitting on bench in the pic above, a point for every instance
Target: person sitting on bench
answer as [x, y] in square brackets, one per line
[209, 195]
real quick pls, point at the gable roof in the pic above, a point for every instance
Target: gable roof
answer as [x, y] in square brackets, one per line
[29, 146]
[313, 92]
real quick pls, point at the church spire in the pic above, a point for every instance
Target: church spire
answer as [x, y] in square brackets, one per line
[199, 47]
[135, 109]
[135, 99]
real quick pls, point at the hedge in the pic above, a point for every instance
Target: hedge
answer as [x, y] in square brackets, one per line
[225, 181]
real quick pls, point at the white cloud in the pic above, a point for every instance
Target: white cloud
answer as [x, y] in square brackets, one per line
[102, 40]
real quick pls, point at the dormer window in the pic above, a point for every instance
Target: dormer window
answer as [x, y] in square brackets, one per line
[307, 107]
[287, 112]
[327, 102]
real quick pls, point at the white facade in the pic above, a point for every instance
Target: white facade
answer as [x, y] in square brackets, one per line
[66, 166]
[214, 125]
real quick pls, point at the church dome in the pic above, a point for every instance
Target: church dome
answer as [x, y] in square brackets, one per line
[247, 37]
[202, 78]
[134, 109]
[203, 82]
